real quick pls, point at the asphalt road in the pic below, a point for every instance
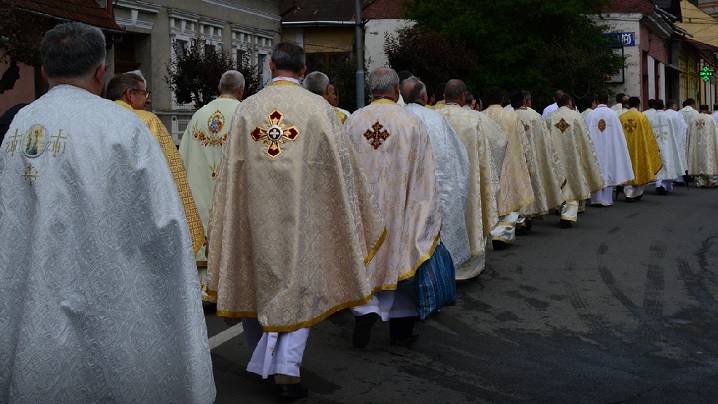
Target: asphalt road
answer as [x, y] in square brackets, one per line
[621, 308]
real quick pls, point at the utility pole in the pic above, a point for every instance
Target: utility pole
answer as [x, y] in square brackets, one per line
[359, 41]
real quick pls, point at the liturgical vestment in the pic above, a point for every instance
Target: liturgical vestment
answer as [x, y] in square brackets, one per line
[642, 146]
[476, 131]
[293, 221]
[702, 149]
[159, 131]
[394, 150]
[667, 136]
[99, 298]
[452, 174]
[547, 176]
[576, 151]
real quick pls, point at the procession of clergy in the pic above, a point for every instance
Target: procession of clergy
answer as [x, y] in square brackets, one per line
[294, 210]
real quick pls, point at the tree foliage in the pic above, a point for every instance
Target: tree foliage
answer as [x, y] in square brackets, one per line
[194, 74]
[536, 45]
[413, 47]
[20, 37]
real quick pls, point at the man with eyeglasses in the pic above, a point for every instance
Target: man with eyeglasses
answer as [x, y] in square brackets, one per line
[130, 91]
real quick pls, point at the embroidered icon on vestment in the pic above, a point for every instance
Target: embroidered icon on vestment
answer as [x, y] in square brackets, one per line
[601, 125]
[274, 134]
[562, 125]
[377, 136]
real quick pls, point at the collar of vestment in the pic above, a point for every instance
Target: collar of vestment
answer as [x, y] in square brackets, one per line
[601, 106]
[226, 97]
[383, 101]
[456, 104]
[283, 80]
[124, 104]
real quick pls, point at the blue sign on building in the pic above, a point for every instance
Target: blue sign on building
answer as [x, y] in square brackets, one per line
[620, 39]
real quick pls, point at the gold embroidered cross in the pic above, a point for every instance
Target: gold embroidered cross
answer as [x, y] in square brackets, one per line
[12, 143]
[562, 125]
[30, 174]
[274, 134]
[630, 126]
[376, 137]
[700, 123]
[58, 143]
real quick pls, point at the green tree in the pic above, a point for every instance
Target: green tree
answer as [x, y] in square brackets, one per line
[20, 37]
[193, 75]
[537, 45]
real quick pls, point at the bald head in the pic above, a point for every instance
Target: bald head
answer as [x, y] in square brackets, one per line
[455, 91]
[413, 91]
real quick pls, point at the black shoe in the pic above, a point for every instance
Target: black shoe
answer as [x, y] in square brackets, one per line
[405, 342]
[362, 329]
[565, 224]
[522, 231]
[631, 200]
[291, 391]
[638, 198]
[498, 245]
[661, 191]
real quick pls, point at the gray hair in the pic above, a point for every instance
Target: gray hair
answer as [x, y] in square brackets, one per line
[527, 95]
[72, 50]
[231, 81]
[454, 89]
[316, 82]
[383, 80]
[412, 89]
[120, 83]
[288, 56]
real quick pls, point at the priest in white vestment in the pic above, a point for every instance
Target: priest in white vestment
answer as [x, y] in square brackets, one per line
[703, 151]
[452, 170]
[688, 112]
[99, 300]
[651, 108]
[668, 138]
[578, 158]
[621, 104]
[547, 175]
[516, 190]
[394, 150]
[201, 148]
[611, 150]
[486, 147]
[293, 222]
[682, 127]
[552, 107]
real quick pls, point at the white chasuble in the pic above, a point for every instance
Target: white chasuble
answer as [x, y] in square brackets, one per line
[99, 300]
[578, 156]
[293, 222]
[609, 142]
[394, 150]
[482, 209]
[702, 146]
[667, 136]
[682, 127]
[452, 175]
[516, 191]
[547, 176]
[201, 149]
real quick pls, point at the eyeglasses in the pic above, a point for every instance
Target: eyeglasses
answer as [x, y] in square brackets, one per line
[145, 92]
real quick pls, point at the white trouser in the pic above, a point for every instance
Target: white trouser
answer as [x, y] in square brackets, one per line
[633, 191]
[569, 211]
[603, 197]
[388, 304]
[506, 229]
[667, 184]
[274, 352]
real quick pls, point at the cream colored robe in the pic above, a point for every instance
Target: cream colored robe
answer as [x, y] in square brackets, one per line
[577, 153]
[482, 210]
[159, 131]
[703, 146]
[201, 149]
[547, 175]
[293, 221]
[516, 191]
[394, 150]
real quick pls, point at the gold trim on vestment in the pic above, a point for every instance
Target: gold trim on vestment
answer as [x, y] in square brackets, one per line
[521, 205]
[201, 264]
[422, 259]
[375, 249]
[383, 101]
[294, 327]
[283, 83]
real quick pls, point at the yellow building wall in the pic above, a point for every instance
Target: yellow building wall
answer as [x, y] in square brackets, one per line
[702, 26]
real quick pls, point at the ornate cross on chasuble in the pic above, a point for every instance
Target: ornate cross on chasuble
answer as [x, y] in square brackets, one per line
[274, 134]
[562, 125]
[630, 126]
[377, 136]
[700, 123]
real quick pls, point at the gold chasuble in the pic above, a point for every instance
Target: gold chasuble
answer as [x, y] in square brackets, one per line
[482, 209]
[577, 154]
[159, 131]
[642, 146]
[516, 191]
[394, 149]
[293, 222]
